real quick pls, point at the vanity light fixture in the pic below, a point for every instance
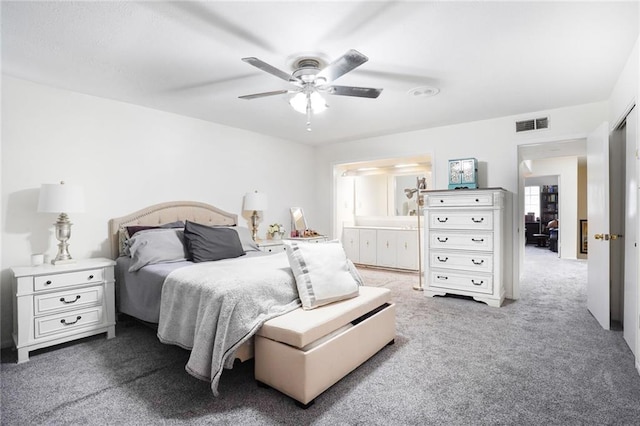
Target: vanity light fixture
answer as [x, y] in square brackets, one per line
[61, 198]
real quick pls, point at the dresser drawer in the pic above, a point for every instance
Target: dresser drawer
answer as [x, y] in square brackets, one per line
[460, 200]
[459, 281]
[60, 323]
[65, 300]
[47, 282]
[461, 241]
[482, 220]
[478, 262]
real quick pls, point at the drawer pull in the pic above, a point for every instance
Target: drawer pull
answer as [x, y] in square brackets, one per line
[443, 240]
[477, 201]
[78, 318]
[443, 260]
[48, 282]
[476, 283]
[477, 240]
[477, 220]
[441, 200]
[90, 277]
[442, 277]
[443, 220]
[476, 262]
[70, 301]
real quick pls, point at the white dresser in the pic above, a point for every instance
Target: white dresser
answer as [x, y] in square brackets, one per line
[56, 304]
[464, 243]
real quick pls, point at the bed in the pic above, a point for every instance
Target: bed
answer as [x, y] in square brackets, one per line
[191, 302]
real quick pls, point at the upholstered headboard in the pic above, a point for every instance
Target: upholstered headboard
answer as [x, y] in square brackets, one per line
[165, 213]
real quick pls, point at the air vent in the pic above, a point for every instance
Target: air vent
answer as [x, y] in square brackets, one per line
[533, 124]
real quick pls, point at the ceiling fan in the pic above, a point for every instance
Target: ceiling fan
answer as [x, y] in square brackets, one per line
[311, 81]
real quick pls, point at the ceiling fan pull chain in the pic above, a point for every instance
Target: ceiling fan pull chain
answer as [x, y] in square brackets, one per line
[309, 112]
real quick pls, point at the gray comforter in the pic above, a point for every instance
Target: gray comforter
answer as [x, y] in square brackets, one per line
[212, 308]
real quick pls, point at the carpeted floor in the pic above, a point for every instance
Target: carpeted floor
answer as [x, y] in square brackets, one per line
[540, 360]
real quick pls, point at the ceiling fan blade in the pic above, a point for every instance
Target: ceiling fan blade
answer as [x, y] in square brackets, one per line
[347, 62]
[360, 92]
[268, 68]
[265, 94]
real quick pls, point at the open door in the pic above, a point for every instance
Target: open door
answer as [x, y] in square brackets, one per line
[598, 282]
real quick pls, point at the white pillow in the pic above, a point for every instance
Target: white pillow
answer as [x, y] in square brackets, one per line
[322, 273]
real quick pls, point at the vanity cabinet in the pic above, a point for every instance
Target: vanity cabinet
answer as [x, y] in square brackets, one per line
[351, 244]
[383, 247]
[367, 244]
[464, 244]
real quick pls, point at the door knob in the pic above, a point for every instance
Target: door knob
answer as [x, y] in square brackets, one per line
[616, 236]
[604, 237]
[598, 236]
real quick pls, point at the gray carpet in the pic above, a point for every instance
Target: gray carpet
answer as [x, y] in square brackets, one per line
[540, 360]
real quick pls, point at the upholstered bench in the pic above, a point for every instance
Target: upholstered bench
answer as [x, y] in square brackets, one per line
[305, 352]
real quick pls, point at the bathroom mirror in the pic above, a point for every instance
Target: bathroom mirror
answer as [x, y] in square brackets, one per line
[385, 195]
[298, 222]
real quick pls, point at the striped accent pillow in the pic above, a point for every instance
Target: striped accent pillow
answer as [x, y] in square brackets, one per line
[322, 272]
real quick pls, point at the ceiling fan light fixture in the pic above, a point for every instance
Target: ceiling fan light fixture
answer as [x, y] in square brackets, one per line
[299, 102]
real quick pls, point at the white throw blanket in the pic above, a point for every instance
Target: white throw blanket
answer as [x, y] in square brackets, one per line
[214, 307]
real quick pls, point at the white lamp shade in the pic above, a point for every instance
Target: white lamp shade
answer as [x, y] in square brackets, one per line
[61, 198]
[256, 201]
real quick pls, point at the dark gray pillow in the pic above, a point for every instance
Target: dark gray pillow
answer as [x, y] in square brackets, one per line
[205, 243]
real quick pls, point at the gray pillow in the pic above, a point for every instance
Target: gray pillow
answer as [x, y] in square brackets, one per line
[205, 243]
[156, 246]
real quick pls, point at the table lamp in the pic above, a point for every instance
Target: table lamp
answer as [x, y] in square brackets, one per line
[255, 201]
[61, 198]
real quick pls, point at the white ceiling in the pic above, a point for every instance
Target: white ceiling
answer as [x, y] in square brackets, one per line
[489, 59]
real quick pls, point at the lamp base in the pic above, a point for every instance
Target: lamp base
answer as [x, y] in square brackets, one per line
[418, 288]
[63, 233]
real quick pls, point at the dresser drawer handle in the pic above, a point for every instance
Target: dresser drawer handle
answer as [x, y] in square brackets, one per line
[443, 220]
[477, 220]
[477, 240]
[476, 262]
[477, 200]
[70, 301]
[91, 277]
[48, 282]
[78, 318]
[442, 277]
[443, 260]
[476, 283]
[443, 240]
[441, 200]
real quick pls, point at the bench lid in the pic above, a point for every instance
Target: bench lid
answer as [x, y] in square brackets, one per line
[300, 327]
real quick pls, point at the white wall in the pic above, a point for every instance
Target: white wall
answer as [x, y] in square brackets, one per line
[128, 157]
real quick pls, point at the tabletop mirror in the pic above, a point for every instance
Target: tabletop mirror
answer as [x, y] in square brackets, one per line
[298, 222]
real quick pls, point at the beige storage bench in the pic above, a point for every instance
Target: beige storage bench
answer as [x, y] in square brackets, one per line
[305, 352]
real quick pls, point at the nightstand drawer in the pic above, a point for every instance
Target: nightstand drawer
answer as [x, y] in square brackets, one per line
[65, 322]
[47, 282]
[54, 302]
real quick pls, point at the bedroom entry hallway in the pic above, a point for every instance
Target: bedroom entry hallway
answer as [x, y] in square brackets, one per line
[542, 359]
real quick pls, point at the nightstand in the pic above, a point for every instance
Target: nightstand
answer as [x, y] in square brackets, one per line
[314, 239]
[270, 246]
[56, 304]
